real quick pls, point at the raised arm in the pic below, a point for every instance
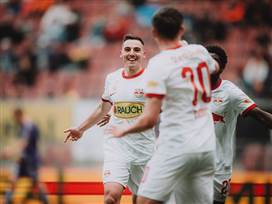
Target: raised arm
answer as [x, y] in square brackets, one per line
[262, 116]
[76, 133]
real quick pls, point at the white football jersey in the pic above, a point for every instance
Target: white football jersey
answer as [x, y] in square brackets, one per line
[228, 101]
[182, 77]
[127, 98]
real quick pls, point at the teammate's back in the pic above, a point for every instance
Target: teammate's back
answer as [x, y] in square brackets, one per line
[182, 76]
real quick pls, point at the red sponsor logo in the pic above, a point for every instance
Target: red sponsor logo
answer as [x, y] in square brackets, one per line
[218, 118]
[139, 93]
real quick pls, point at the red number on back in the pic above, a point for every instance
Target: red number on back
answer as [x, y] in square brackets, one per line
[206, 88]
[189, 70]
[206, 96]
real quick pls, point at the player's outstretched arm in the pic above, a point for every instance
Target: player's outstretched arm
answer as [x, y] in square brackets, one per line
[146, 121]
[104, 121]
[262, 116]
[74, 134]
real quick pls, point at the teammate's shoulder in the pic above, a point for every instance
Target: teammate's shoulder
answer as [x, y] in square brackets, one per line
[230, 87]
[196, 47]
[157, 60]
[228, 84]
[156, 57]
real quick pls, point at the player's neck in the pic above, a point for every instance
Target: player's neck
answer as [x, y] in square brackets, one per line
[169, 44]
[131, 71]
[216, 83]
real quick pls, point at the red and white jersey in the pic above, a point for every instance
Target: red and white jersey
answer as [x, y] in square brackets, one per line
[182, 77]
[228, 101]
[126, 94]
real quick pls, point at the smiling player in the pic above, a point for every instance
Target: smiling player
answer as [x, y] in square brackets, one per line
[124, 158]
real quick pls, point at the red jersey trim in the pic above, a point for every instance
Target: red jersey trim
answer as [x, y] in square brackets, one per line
[249, 109]
[132, 76]
[175, 47]
[105, 100]
[218, 83]
[159, 96]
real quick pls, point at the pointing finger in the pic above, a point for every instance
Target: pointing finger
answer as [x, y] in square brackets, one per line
[67, 130]
[67, 138]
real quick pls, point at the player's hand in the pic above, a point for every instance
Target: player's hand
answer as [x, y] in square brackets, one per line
[104, 121]
[115, 131]
[72, 134]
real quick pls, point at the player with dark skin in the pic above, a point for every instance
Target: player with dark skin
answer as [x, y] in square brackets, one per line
[257, 113]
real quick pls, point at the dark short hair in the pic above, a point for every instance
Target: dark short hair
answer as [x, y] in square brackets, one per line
[220, 55]
[167, 22]
[132, 37]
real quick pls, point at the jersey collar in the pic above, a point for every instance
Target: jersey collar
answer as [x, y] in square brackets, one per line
[180, 44]
[132, 76]
[175, 47]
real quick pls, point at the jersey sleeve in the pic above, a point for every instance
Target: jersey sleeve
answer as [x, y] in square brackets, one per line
[106, 97]
[155, 81]
[240, 101]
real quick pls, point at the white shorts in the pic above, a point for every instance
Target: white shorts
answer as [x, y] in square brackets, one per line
[221, 187]
[124, 173]
[189, 176]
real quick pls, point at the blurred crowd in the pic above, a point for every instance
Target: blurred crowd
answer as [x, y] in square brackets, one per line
[52, 48]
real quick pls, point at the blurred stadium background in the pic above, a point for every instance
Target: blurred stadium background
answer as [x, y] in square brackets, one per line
[55, 54]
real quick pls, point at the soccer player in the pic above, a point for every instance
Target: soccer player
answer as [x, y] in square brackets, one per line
[124, 158]
[178, 81]
[228, 101]
[27, 155]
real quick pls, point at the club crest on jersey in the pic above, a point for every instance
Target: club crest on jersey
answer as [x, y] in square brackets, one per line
[127, 110]
[218, 100]
[139, 93]
[246, 101]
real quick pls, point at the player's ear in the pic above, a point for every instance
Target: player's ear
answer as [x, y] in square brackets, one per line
[217, 67]
[181, 30]
[154, 33]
